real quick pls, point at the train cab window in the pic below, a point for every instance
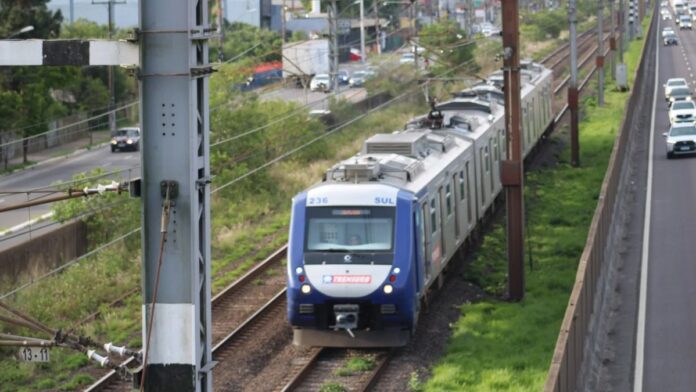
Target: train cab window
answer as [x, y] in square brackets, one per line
[353, 229]
[433, 217]
[448, 199]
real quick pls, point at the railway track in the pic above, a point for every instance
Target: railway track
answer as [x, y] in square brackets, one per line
[235, 308]
[255, 305]
[355, 370]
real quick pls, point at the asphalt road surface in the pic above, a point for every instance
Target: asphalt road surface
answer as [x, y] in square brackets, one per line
[668, 350]
[48, 173]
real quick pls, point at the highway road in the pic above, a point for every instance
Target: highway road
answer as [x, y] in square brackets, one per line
[63, 169]
[666, 347]
[48, 173]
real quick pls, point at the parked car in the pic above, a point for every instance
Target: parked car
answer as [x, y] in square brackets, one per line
[673, 83]
[320, 82]
[125, 139]
[678, 94]
[680, 139]
[670, 39]
[684, 111]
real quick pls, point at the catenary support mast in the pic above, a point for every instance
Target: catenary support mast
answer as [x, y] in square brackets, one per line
[175, 157]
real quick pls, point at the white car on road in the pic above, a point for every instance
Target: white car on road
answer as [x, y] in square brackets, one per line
[320, 82]
[667, 30]
[682, 111]
[681, 139]
[672, 84]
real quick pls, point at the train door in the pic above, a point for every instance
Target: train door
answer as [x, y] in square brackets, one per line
[436, 250]
[482, 182]
[470, 211]
[444, 218]
[455, 205]
[425, 242]
[493, 163]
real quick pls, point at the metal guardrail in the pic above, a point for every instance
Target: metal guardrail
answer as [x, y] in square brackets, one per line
[569, 352]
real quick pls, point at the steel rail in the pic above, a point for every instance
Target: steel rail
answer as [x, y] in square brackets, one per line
[113, 376]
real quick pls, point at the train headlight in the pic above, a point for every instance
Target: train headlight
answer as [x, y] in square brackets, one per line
[129, 141]
[306, 289]
[113, 141]
[388, 289]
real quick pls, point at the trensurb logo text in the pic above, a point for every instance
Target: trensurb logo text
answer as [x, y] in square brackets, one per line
[347, 279]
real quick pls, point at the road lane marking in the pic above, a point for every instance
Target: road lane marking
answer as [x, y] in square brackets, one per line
[640, 331]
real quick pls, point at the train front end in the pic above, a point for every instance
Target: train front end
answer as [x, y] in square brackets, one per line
[351, 281]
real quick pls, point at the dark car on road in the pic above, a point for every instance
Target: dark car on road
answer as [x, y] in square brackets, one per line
[670, 39]
[125, 139]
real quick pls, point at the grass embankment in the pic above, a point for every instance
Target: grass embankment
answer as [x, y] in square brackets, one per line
[497, 345]
[244, 231]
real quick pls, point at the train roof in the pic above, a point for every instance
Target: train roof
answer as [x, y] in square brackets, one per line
[412, 158]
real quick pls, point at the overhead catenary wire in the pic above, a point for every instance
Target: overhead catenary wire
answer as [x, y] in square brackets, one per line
[70, 125]
[251, 155]
[332, 131]
[70, 263]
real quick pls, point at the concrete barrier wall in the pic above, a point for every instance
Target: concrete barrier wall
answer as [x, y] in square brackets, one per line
[43, 253]
[566, 363]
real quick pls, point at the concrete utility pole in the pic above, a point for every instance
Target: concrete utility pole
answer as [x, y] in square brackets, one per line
[72, 11]
[620, 19]
[362, 31]
[573, 86]
[333, 45]
[612, 39]
[110, 76]
[283, 14]
[378, 33]
[600, 53]
[414, 28]
[174, 114]
[221, 28]
[513, 167]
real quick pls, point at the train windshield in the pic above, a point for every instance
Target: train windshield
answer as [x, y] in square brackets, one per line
[349, 229]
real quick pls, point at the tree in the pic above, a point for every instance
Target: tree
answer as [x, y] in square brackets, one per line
[447, 45]
[240, 38]
[32, 85]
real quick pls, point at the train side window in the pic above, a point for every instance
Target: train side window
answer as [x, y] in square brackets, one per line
[424, 241]
[448, 199]
[488, 159]
[462, 189]
[496, 157]
[456, 207]
[433, 217]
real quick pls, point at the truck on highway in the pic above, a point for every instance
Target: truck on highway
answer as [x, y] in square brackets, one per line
[304, 59]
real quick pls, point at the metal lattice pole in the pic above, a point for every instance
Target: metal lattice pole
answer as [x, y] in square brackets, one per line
[175, 156]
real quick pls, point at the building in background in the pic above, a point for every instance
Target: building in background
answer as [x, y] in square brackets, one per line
[258, 13]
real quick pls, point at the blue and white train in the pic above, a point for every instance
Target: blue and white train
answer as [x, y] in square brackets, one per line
[368, 242]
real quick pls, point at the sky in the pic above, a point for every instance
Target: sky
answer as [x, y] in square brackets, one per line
[125, 15]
